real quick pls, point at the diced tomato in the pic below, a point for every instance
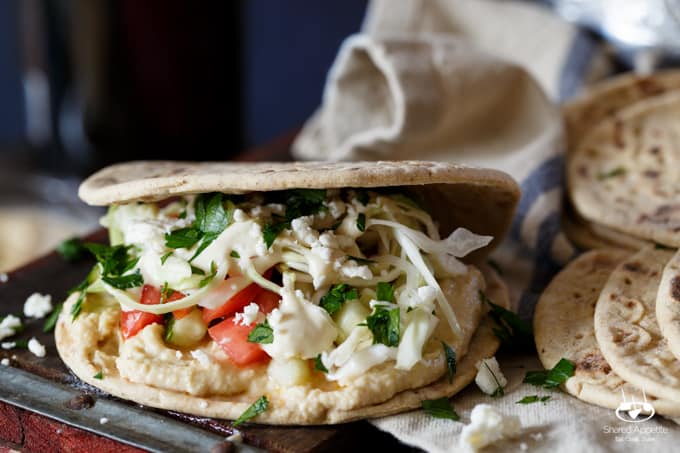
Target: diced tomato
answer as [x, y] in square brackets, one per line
[182, 312]
[131, 322]
[267, 301]
[233, 339]
[236, 302]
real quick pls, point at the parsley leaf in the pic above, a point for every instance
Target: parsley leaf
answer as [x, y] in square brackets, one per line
[614, 172]
[384, 291]
[563, 370]
[384, 325]
[514, 332]
[208, 278]
[533, 399]
[318, 364]
[440, 408]
[333, 300]
[125, 281]
[78, 305]
[165, 257]
[99, 375]
[72, 249]
[362, 196]
[361, 222]
[299, 203]
[262, 333]
[500, 391]
[450, 355]
[254, 410]
[170, 329]
[183, 238]
[234, 254]
[51, 320]
[271, 231]
[197, 271]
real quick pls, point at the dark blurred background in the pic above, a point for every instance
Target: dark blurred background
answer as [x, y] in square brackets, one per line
[87, 82]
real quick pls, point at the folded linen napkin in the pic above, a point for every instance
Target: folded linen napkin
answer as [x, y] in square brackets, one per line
[475, 81]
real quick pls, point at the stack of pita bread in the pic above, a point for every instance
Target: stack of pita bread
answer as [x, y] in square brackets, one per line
[615, 310]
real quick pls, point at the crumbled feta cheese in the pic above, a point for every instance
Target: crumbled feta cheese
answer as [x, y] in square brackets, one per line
[201, 356]
[328, 239]
[239, 215]
[8, 344]
[351, 269]
[36, 347]
[3, 277]
[4, 362]
[103, 421]
[426, 296]
[248, 316]
[489, 376]
[8, 326]
[37, 305]
[488, 425]
[303, 230]
[236, 437]
[523, 446]
[179, 355]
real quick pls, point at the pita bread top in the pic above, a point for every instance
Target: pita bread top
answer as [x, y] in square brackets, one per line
[481, 200]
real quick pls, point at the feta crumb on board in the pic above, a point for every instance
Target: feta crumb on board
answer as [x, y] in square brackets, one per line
[487, 426]
[8, 326]
[37, 305]
[36, 347]
[8, 344]
[4, 362]
[489, 376]
[4, 278]
[103, 421]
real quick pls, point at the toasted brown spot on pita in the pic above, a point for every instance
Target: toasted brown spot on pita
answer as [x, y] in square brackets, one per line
[651, 174]
[649, 86]
[593, 362]
[634, 266]
[577, 295]
[618, 134]
[675, 288]
[654, 150]
[627, 281]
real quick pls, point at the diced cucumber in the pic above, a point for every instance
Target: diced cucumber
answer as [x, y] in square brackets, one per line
[188, 331]
[289, 372]
[353, 312]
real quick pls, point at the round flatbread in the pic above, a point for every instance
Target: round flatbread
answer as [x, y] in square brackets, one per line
[480, 200]
[625, 173]
[626, 327]
[604, 99]
[96, 347]
[563, 328]
[668, 304]
[588, 235]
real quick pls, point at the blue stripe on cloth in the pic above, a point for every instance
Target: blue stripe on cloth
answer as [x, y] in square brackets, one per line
[576, 65]
[545, 267]
[545, 177]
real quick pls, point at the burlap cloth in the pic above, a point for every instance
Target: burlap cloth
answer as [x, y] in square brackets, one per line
[476, 81]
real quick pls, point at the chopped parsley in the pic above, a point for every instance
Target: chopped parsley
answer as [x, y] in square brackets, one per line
[614, 172]
[72, 249]
[234, 254]
[318, 364]
[548, 379]
[440, 408]
[500, 391]
[384, 325]
[78, 305]
[336, 297]
[211, 220]
[209, 277]
[165, 257]
[384, 292]
[115, 262]
[258, 407]
[362, 196]
[99, 375]
[166, 293]
[514, 332]
[125, 281]
[299, 203]
[262, 333]
[361, 222]
[51, 320]
[450, 355]
[197, 271]
[529, 399]
[169, 328]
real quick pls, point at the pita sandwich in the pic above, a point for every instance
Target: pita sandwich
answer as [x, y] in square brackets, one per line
[301, 293]
[668, 304]
[563, 328]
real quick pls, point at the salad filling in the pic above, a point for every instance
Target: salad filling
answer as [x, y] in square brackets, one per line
[328, 281]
